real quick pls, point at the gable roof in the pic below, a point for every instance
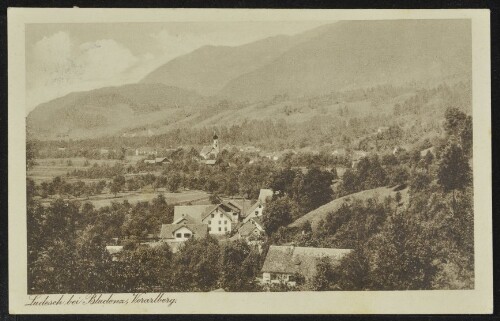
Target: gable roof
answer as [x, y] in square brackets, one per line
[168, 230]
[207, 150]
[242, 204]
[258, 222]
[209, 211]
[187, 218]
[253, 207]
[195, 212]
[264, 194]
[247, 229]
[302, 260]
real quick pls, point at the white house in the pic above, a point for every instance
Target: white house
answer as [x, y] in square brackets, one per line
[219, 218]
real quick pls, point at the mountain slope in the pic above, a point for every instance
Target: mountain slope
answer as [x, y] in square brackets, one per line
[353, 54]
[108, 110]
[209, 68]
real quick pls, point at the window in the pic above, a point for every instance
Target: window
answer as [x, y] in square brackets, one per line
[225, 229]
[209, 222]
[187, 235]
[260, 206]
[256, 212]
[225, 222]
[219, 229]
[212, 215]
[179, 235]
[221, 215]
[209, 229]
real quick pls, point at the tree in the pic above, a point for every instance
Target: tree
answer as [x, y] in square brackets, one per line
[454, 121]
[402, 255]
[117, 184]
[236, 276]
[315, 189]
[353, 272]
[214, 198]
[174, 182]
[278, 212]
[31, 151]
[454, 172]
[197, 265]
[323, 276]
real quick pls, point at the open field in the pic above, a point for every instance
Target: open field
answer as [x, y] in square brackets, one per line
[48, 168]
[184, 197]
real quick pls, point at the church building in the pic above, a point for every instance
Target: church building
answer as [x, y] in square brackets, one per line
[211, 152]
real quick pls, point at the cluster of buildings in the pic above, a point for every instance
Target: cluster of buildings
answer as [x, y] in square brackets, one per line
[232, 219]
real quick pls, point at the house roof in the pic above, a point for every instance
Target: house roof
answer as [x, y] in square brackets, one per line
[206, 150]
[210, 161]
[193, 211]
[242, 204]
[258, 221]
[264, 194]
[247, 229]
[168, 230]
[302, 260]
[253, 207]
[188, 220]
[209, 211]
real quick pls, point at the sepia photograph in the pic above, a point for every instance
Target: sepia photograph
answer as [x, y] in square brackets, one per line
[249, 156]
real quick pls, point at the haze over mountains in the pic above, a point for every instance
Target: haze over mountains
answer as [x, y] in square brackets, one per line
[341, 56]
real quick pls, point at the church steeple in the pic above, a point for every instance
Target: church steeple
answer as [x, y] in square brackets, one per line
[215, 144]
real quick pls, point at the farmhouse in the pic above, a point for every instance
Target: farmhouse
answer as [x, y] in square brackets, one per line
[220, 219]
[284, 264]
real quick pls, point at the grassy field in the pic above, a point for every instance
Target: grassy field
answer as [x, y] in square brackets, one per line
[321, 212]
[184, 197]
[48, 168]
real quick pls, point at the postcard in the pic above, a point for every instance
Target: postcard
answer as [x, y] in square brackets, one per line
[249, 161]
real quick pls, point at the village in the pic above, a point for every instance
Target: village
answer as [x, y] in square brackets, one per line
[201, 210]
[235, 219]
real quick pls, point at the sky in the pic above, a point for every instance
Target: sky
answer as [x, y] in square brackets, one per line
[63, 58]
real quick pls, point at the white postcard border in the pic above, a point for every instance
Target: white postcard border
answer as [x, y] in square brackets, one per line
[479, 300]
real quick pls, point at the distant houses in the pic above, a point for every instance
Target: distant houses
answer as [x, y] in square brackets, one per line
[287, 264]
[146, 151]
[158, 160]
